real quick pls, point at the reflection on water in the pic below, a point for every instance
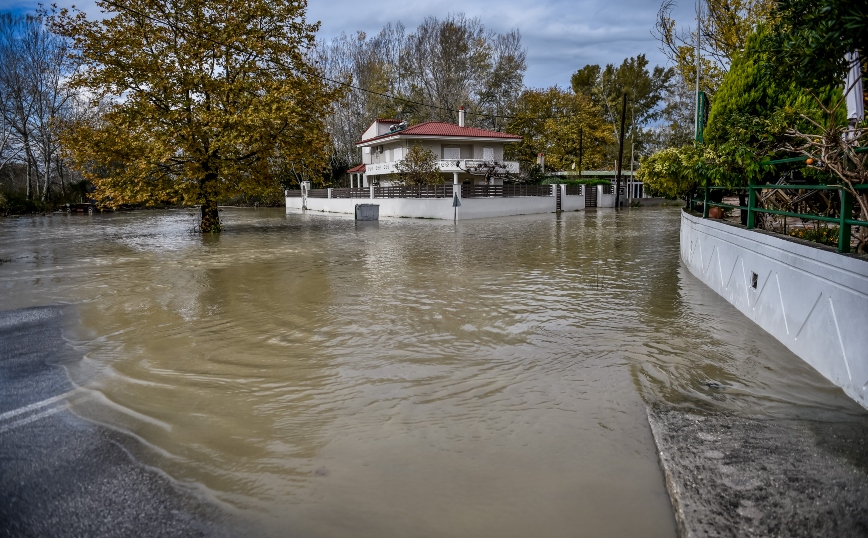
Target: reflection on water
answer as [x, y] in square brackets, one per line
[323, 377]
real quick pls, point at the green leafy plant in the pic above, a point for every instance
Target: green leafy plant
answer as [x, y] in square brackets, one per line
[820, 233]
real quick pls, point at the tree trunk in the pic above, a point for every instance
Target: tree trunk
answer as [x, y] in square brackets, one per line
[60, 174]
[210, 222]
[27, 188]
[45, 191]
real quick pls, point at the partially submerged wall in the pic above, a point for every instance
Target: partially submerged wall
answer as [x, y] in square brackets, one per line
[434, 208]
[813, 300]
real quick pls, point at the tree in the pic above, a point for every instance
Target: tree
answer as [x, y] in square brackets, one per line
[809, 39]
[209, 99]
[418, 167]
[676, 125]
[35, 98]
[645, 91]
[567, 127]
[675, 172]
[725, 25]
[809, 42]
[422, 75]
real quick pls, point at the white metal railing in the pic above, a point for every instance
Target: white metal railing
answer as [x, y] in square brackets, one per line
[445, 165]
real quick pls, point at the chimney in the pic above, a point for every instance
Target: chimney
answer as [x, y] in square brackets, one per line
[461, 116]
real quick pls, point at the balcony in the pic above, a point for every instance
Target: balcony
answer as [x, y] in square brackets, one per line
[448, 166]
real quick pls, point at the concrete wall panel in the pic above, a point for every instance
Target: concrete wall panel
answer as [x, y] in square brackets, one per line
[438, 208]
[812, 300]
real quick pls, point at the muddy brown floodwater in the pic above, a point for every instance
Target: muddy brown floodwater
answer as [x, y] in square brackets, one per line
[320, 377]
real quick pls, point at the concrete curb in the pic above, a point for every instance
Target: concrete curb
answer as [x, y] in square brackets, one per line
[734, 476]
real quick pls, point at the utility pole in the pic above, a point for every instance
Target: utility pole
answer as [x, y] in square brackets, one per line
[632, 149]
[698, 65]
[631, 181]
[581, 133]
[620, 152]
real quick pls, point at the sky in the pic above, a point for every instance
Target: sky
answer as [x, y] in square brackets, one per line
[560, 36]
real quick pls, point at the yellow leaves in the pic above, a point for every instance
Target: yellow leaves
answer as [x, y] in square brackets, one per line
[200, 88]
[553, 121]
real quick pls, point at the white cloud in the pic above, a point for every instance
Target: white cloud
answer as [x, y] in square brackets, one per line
[560, 35]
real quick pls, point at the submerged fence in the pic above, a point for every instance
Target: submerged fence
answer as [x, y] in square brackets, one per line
[844, 219]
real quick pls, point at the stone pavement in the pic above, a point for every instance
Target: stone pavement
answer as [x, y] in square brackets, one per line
[736, 476]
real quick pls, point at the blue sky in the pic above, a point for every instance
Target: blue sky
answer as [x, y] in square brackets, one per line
[560, 35]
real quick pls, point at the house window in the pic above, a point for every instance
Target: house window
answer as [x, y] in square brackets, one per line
[451, 153]
[487, 154]
[398, 154]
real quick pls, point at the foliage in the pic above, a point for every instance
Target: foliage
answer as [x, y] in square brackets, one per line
[810, 38]
[676, 127]
[820, 233]
[645, 91]
[551, 122]
[561, 180]
[34, 96]
[674, 172]
[443, 64]
[725, 25]
[207, 99]
[418, 167]
[750, 89]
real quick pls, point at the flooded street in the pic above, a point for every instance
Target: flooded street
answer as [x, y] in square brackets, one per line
[320, 377]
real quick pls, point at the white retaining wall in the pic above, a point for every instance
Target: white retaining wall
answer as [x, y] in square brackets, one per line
[814, 301]
[572, 203]
[435, 208]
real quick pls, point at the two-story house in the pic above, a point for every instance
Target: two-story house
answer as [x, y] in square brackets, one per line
[463, 152]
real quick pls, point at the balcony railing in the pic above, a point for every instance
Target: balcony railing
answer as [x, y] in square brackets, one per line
[449, 165]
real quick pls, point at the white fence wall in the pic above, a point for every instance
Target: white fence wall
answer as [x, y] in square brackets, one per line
[814, 301]
[434, 208]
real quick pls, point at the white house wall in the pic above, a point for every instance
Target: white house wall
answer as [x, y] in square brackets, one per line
[812, 300]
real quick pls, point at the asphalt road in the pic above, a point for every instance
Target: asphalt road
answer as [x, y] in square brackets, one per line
[61, 475]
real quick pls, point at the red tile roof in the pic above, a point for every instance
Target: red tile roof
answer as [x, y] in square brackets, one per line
[439, 128]
[355, 169]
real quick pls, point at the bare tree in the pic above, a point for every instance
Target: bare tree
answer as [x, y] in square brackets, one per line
[35, 99]
[423, 75]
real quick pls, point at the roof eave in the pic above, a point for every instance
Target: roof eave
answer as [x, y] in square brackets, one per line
[397, 136]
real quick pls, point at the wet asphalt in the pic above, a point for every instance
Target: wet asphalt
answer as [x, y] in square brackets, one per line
[61, 475]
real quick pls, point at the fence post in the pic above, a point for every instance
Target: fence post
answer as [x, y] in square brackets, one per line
[372, 192]
[844, 229]
[751, 204]
[329, 195]
[705, 200]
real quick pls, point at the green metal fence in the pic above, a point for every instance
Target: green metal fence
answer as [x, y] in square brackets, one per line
[844, 222]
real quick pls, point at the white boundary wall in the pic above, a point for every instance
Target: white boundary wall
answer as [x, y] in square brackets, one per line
[435, 208]
[814, 301]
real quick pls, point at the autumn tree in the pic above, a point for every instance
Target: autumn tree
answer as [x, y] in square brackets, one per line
[645, 89]
[418, 167]
[208, 99]
[422, 74]
[725, 26]
[567, 127]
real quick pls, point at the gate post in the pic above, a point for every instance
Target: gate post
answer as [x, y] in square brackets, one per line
[844, 230]
[751, 204]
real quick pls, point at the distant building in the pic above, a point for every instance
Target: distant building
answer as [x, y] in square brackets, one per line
[462, 151]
